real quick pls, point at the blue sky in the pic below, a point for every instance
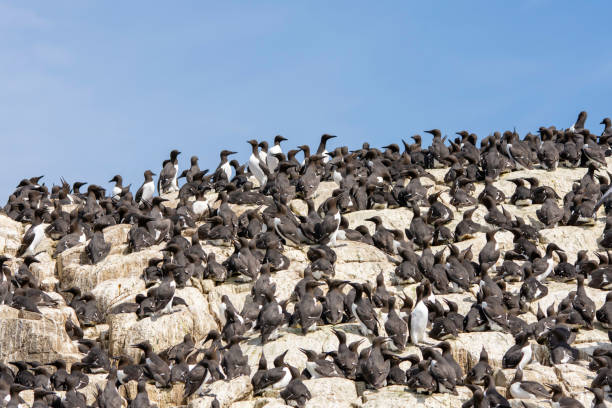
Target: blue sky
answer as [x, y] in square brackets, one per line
[89, 89]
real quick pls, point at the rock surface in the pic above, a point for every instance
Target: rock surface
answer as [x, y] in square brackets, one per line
[117, 279]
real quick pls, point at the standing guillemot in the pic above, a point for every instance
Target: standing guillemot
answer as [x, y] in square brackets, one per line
[308, 309]
[604, 314]
[263, 153]
[522, 194]
[420, 232]
[269, 319]
[396, 376]
[34, 235]
[374, 367]
[438, 151]
[97, 249]
[448, 356]
[318, 367]
[441, 371]
[346, 357]
[109, 397]
[117, 188]
[516, 151]
[333, 305]
[255, 163]
[277, 378]
[154, 367]
[272, 160]
[583, 304]
[526, 389]
[363, 310]
[395, 327]
[490, 253]
[550, 214]
[321, 150]
[532, 289]
[295, 394]
[167, 181]
[548, 154]
[495, 399]
[145, 192]
[519, 355]
[234, 362]
[598, 397]
[607, 131]
[418, 318]
[478, 373]
[478, 399]
[142, 397]
[579, 124]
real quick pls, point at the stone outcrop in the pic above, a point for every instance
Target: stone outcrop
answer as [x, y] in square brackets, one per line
[117, 279]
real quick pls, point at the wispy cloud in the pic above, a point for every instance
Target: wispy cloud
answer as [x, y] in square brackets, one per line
[18, 17]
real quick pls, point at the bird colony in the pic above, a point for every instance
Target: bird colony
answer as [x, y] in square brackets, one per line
[473, 272]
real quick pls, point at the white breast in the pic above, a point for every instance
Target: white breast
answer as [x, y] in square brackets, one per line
[199, 207]
[518, 392]
[527, 353]
[284, 381]
[147, 191]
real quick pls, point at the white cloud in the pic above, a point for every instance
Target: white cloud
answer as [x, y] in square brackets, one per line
[16, 17]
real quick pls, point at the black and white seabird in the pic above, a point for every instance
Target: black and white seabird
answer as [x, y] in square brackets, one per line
[478, 373]
[146, 191]
[269, 319]
[346, 357]
[154, 367]
[598, 397]
[579, 124]
[97, 249]
[532, 289]
[277, 378]
[418, 318]
[34, 235]
[363, 310]
[519, 355]
[319, 367]
[308, 309]
[374, 367]
[441, 371]
[604, 314]
[117, 188]
[142, 397]
[167, 181]
[333, 304]
[255, 163]
[526, 389]
[396, 327]
[490, 253]
[295, 394]
[234, 362]
[275, 149]
[495, 399]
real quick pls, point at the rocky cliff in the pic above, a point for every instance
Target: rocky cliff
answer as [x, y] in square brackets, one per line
[118, 279]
